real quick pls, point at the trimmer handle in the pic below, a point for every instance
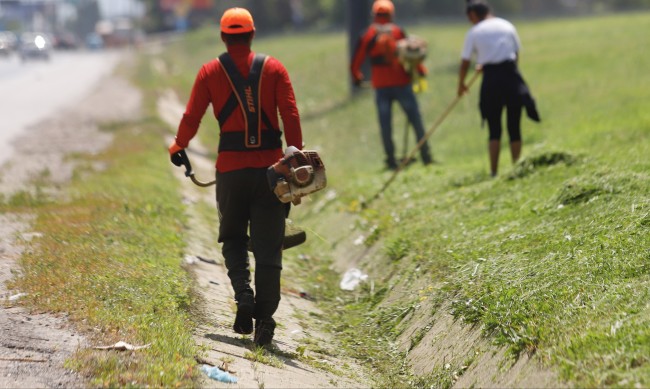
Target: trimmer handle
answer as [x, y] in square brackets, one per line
[185, 161]
[181, 158]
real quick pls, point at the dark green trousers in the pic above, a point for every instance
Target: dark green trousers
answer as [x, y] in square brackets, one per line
[246, 203]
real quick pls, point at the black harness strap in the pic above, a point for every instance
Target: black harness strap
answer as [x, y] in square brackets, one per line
[234, 141]
[373, 40]
[246, 95]
[379, 29]
[227, 109]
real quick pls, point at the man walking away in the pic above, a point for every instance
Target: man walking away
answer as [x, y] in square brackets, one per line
[496, 45]
[391, 81]
[246, 91]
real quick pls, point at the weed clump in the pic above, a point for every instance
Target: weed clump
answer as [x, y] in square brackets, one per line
[398, 248]
[645, 222]
[583, 189]
[467, 180]
[529, 165]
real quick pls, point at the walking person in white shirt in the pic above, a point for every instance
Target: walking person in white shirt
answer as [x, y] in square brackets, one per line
[496, 45]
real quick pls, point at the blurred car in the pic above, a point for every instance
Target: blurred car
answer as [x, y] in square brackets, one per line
[5, 50]
[94, 41]
[34, 45]
[7, 42]
[66, 41]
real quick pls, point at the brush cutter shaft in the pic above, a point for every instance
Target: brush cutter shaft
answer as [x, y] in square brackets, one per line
[424, 139]
[201, 183]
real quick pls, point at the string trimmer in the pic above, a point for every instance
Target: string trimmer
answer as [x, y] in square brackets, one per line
[293, 236]
[421, 143]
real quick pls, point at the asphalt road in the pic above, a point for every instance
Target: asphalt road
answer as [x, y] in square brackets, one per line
[35, 90]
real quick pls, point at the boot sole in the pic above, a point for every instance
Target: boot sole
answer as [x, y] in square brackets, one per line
[264, 337]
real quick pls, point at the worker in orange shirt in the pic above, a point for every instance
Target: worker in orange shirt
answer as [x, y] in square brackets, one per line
[390, 79]
[246, 90]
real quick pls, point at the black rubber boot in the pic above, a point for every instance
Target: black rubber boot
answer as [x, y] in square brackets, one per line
[391, 164]
[244, 317]
[264, 331]
[425, 154]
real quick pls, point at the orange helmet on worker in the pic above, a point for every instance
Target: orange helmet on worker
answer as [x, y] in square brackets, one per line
[237, 21]
[383, 7]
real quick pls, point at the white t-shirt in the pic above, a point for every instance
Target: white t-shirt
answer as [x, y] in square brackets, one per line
[494, 40]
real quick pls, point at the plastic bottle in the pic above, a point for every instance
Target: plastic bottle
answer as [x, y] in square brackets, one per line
[217, 374]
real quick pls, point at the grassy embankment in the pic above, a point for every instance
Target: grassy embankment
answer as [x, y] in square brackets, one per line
[551, 258]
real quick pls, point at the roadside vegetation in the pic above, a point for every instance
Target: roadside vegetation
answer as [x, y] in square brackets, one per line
[108, 255]
[550, 259]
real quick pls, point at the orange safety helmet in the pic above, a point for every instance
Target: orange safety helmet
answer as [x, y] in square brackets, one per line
[237, 21]
[383, 7]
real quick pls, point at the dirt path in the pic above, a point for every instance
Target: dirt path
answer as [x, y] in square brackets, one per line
[34, 346]
[313, 370]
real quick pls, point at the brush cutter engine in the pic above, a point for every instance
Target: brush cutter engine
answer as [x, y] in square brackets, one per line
[296, 175]
[411, 51]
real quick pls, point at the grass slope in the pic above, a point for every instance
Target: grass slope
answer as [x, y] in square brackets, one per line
[551, 258]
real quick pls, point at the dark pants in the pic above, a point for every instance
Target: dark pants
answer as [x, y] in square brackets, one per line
[503, 87]
[244, 200]
[384, 98]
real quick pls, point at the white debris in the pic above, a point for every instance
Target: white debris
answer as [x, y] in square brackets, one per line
[122, 346]
[191, 259]
[17, 296]
[352, 278]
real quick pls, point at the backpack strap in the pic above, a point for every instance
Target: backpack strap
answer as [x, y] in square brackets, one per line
[246, 95]
[373, 41]
[379, 29]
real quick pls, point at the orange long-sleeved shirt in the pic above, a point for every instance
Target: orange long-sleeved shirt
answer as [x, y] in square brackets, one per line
[212, 87]
[382, 76]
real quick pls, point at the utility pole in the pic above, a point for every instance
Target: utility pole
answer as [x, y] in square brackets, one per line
[358, 14]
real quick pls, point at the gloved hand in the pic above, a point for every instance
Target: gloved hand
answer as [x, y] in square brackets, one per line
[174, 153]
[419, 80]
[357, 79]
[420, 85]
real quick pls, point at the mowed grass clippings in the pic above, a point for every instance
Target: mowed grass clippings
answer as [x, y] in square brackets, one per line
[553, 258]
[110, 258]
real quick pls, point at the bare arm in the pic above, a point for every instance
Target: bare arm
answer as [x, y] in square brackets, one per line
[462, 74]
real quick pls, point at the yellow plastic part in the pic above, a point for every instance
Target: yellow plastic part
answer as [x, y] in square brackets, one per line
[420, 85]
